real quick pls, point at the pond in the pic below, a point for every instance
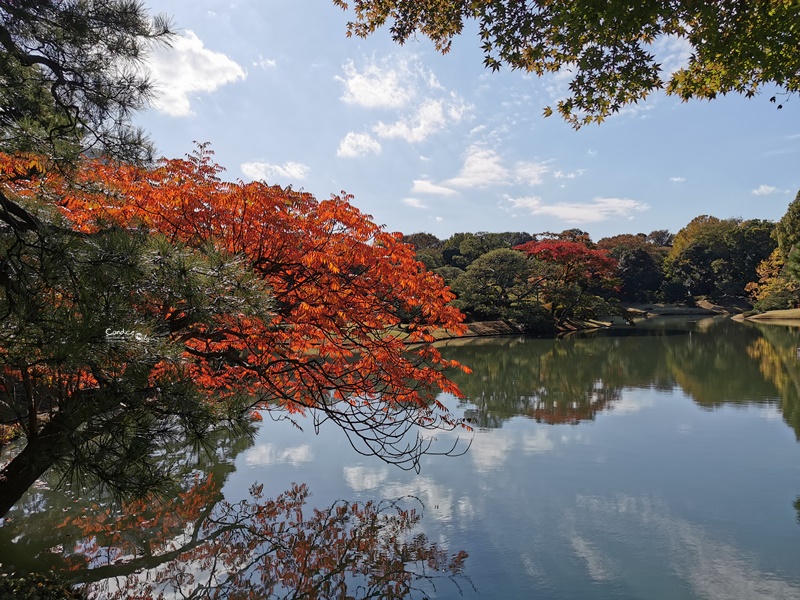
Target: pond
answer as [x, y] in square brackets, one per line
[659, 461]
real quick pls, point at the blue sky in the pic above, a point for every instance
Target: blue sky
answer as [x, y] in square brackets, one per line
[436, 143]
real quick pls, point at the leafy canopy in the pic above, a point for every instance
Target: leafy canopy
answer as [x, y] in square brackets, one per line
[608, 47]
[221, 297]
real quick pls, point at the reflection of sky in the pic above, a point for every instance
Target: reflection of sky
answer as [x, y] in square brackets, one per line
[360, 478]
[631, 402]
[656, 498]
[267, 454]
[489, 449]
[713, 568]
[771, 413]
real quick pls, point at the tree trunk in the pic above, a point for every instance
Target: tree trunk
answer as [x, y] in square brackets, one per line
[39, 454]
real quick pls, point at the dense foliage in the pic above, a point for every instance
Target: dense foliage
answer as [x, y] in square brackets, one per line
[609, 49]
[152, 304]
[546, 280]
[574, 279]
[718, 257]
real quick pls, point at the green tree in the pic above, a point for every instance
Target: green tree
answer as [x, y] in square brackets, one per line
[640, 275]
[608, 47]
[778, 282]
[660, 238]
[460, 249]
[422, 241]
[638, 265]
[476, 244]
[568, 235]
[448, 273]
[428, 248]
[775, 288]
[73, 73]
[719, 257]
[787, 230]
[495, 285]
[80, 317]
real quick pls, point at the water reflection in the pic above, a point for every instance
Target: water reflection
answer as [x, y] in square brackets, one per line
[203, 546]
[199, 544]
[715, 361]
[713, 568]
[551, 381]
[679, 482]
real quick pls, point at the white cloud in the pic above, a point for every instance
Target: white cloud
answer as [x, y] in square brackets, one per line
[482, 168]
[630, 403]
[269, 172]
[432, 116]
[187, 67]
[678, 179]
[358, 144]
[709, 565]
[413, 202]
[394, 83]
[264, 63]
[600, 567]
[389, 84]
[770, 413]
[599, 209]
[591, 152]
[439, 501]
[673, 53]
[568, 174]
[765, 190]
[423, 186]
[531, 203]
[531, 173]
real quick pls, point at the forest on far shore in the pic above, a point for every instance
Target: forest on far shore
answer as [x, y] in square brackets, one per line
[541, 281]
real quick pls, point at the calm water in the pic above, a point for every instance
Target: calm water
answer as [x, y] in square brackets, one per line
[655, 462]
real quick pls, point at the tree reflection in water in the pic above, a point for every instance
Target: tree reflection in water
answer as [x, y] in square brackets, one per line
[714, 361]
[202, 546]
[197, 544]
[551, 381]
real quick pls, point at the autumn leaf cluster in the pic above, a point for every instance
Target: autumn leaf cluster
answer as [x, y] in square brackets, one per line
[219, 296]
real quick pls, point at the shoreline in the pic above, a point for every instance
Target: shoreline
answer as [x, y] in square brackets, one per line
[640, 311]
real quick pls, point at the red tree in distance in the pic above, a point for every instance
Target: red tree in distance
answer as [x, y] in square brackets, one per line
[570, 273]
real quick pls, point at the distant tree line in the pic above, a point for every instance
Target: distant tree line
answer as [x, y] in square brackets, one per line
[541, 281]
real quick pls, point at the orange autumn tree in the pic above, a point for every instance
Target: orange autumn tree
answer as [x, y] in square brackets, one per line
[143, 301]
